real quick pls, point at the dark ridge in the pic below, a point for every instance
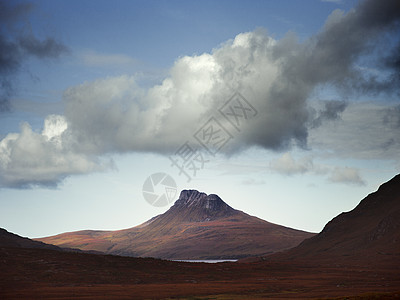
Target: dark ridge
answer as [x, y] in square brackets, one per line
[11, 240]
[371, 231]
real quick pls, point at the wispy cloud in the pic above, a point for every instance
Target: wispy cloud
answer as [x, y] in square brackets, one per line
[367, 130]
[331, 111]
[347, 175]
[333, 1]
[95, 59]
[288, 166]
[17, 43]
[239, 169]
[253, 181]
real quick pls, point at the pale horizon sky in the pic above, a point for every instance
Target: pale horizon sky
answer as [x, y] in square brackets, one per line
[96, 96]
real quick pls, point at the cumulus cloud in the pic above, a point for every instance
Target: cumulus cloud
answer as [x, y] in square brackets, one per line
[346, 175]
[17, 43]
[288, 166]
[29, 159]
[277, 77]
[346, 37]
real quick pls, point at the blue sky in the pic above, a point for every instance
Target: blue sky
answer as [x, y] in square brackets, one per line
[97, 96]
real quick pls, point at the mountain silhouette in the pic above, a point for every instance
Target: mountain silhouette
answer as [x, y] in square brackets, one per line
[197, 226]
[11, 240]
[368, 234]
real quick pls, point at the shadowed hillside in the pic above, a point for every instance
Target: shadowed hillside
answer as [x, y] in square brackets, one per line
[368, 234]
[11, 240]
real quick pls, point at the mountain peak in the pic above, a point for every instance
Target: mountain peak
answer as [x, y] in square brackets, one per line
[190, 196]
[198, 206]
[197, 226]
[193, 197]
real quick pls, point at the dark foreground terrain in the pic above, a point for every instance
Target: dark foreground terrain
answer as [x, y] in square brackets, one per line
[50, 274]
[356, 256]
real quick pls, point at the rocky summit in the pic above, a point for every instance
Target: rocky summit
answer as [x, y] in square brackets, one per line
[195, 206]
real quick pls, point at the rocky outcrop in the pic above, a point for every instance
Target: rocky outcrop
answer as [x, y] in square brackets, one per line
[194, 206]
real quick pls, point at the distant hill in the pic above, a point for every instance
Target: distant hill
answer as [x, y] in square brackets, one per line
[11, 240]
[197, 226]
[369, 234]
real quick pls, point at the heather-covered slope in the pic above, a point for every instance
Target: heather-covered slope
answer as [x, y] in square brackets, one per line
[197, 226]
[368, 234]
[11, 240]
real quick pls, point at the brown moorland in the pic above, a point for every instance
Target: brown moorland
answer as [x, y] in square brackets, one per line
[356, 256]
[49, 274]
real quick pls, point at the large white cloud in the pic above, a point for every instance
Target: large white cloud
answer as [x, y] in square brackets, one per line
[114, 114]
[29, 159]
[277, 77]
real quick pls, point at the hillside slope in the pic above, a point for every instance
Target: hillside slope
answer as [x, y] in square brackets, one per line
[11, 240]
[368, 234]
[197, 226]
